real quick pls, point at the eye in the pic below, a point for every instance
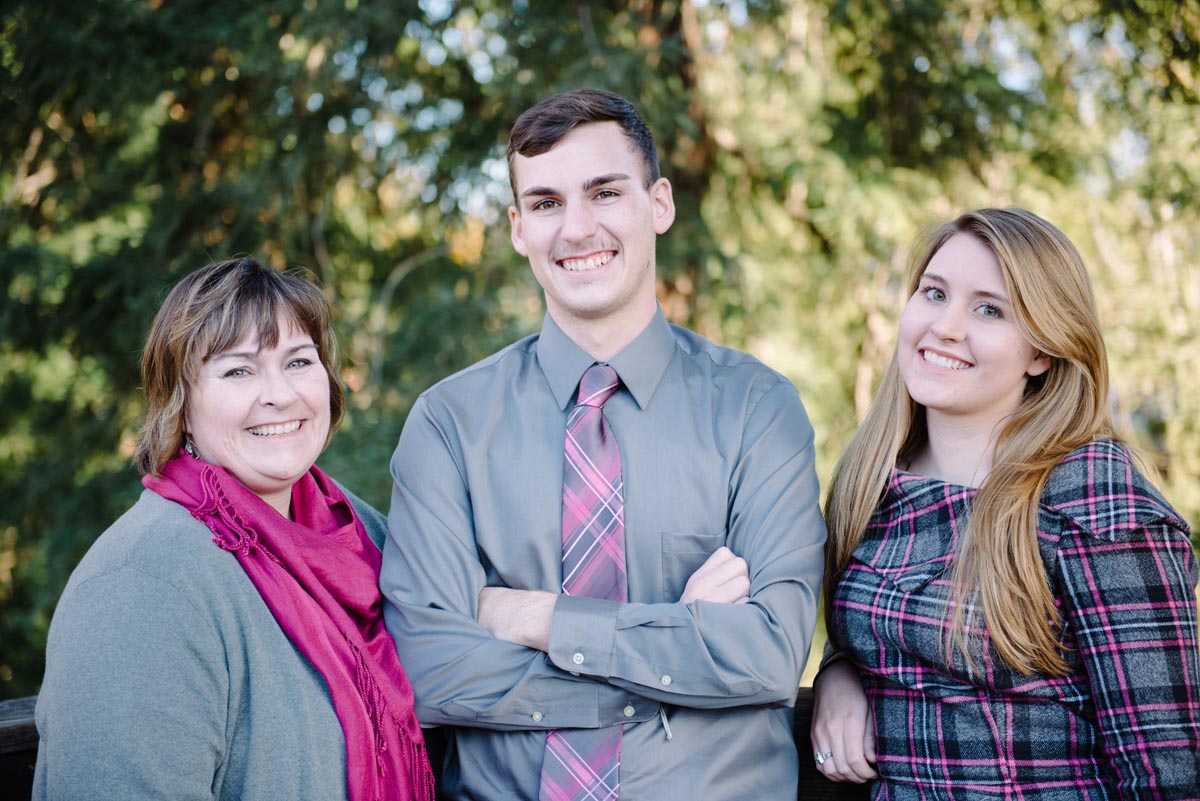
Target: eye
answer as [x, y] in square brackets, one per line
[989, 311]
[299, 362]
[544, 205]
[933, 293]
[236, 372]
[606, 194]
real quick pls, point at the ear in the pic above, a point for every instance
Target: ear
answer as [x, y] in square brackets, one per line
[1039, 364]
[516, 232]
[663, 203]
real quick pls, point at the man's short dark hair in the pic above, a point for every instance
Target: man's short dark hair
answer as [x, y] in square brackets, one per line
[543, 126]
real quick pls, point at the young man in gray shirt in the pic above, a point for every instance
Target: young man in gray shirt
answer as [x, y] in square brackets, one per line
[687, 485]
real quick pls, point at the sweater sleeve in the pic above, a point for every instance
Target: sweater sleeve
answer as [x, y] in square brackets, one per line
[134, 700]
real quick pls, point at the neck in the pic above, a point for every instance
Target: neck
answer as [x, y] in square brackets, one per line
[605, 336]
[280, 501]
[956, 452]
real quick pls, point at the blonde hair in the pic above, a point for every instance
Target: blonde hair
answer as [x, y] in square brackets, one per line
[209, 311]
[997, 559]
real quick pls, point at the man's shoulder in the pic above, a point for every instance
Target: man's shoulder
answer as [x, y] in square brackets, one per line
[726, 363]
[512, 359]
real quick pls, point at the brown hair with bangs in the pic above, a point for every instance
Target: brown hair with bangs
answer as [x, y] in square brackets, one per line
[208, 312]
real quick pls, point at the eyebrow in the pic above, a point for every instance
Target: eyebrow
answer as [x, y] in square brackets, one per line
[246, 354]
[979, 293]
[599, 180]
[591, 183]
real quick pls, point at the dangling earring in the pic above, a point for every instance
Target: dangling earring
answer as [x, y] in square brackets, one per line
[190, 447]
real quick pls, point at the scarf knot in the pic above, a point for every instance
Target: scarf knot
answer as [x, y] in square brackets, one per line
[235, 535]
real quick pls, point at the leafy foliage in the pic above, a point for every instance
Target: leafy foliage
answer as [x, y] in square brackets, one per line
[806, 142]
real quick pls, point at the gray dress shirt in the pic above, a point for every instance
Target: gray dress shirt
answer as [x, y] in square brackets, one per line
[716, 449]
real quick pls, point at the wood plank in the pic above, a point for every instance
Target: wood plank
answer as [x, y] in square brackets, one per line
[18, 748]
[17, 732]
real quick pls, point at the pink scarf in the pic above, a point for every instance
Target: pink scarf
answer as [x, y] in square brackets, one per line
[319, 576]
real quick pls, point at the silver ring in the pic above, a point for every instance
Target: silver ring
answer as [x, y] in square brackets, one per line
[821, 756]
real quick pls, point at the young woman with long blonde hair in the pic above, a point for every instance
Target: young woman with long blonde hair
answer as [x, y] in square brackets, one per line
[1015, 598]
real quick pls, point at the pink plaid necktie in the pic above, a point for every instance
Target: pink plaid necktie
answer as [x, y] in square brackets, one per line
[584, 763]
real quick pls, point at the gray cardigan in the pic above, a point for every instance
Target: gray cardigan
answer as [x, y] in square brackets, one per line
[168, 677]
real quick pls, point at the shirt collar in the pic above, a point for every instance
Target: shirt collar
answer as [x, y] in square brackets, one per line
[640, 364]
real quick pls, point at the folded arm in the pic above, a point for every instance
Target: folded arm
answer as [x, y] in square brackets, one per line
[600, 656]
[432, 578]
[700, 654]
[523, 617]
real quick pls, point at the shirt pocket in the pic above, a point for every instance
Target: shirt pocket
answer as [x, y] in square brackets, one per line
[682, 553]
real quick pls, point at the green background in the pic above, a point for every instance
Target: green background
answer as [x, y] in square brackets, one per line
[363, 141]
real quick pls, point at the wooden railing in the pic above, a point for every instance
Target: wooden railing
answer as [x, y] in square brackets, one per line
[18, 748]
[18, 753]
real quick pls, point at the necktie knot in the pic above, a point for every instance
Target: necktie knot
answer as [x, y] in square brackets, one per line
[598, 384]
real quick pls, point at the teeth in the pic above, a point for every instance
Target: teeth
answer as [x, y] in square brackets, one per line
[945, 362]
[590, 263]
[275, 429]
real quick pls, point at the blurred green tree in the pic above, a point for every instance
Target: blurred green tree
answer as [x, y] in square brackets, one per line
[364, 142]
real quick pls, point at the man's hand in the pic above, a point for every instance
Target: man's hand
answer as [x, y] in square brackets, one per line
[723, 578]
[517, 616]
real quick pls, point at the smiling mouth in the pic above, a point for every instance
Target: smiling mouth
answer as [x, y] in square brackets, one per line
[944, 362]
[592, 262]
[275, 429]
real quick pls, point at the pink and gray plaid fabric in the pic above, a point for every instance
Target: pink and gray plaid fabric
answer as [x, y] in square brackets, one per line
[1123, 723]
[584, 763]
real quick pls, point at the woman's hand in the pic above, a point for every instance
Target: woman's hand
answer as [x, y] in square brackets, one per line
[843, 725]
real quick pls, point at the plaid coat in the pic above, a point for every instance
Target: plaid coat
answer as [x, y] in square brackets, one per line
[1124, 723]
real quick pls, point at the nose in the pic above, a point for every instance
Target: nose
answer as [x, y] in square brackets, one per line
[950, 324]
[578, 223]
[276, 389]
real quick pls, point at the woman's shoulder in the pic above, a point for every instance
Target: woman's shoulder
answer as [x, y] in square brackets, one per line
[1099, 489]
[154, 575]
[155, 538]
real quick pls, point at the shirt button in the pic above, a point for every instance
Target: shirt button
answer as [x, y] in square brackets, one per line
[666, 680]
[537, 717]
[577, 658]
[629, 711]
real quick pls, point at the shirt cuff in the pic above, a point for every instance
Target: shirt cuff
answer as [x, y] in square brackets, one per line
[582, 638]
[583, 632]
